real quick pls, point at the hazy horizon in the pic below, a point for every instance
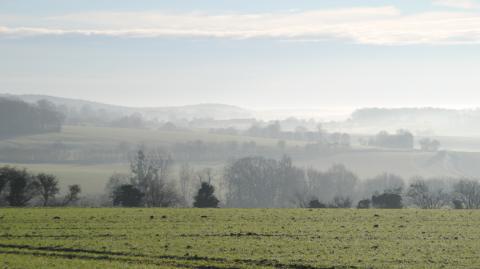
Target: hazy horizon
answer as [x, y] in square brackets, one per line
[297, 109]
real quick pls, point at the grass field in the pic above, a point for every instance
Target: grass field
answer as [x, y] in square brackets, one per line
[238, 238]
[365, 162]
[91, 178]
[102, 136]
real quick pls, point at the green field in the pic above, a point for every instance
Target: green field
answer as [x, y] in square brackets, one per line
[365, 162]
[91, 178]
[238, 238]
[104, 136]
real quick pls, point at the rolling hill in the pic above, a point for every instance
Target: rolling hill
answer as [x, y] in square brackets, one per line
[365, 162]
[210, 111]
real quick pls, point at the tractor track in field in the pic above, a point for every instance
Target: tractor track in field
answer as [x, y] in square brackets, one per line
[248, 234]
[162, 260]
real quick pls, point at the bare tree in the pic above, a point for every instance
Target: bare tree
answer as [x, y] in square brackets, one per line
[467, 192]
[301, 199]
[420, 195]
[427, 144]
[205, 175]
[48, 187]
[292, 182]
[336, 181]
[341, 202]
[186, 175]
[252, 182]
[382, 182]
[150, 175]
[72, 195]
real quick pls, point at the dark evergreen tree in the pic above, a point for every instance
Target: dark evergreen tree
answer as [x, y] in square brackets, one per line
[205, 197]
[127, 195]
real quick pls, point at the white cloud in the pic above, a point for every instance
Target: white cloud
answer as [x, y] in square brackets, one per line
[378, 26]
[464, 4]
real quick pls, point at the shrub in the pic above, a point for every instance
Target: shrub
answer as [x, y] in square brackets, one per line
[316, 204]
[387, 200]
[205, 197]
[364, 204]
[127, 195]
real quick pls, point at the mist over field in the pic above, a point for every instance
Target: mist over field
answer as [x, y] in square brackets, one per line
[239, 134]
[89, 141]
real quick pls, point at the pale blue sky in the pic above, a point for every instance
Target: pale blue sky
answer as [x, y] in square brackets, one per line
[257, 54]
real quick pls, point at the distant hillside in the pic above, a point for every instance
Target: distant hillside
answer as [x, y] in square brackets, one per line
[89, 155]
[210, 111]
[421, 121]
[71, 103]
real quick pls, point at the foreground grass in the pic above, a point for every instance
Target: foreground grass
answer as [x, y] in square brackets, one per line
[240, 238]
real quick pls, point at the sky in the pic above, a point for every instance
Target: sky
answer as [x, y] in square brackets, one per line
[259, 54]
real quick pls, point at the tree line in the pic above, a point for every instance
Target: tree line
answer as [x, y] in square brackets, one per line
[250, 182]
[149, 184]
[258, 182]
[274, 130]
[20, 118]
[188, 151]
[19, 188]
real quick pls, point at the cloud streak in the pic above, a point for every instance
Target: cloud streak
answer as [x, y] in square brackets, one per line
[463, 4]
[374, 26]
